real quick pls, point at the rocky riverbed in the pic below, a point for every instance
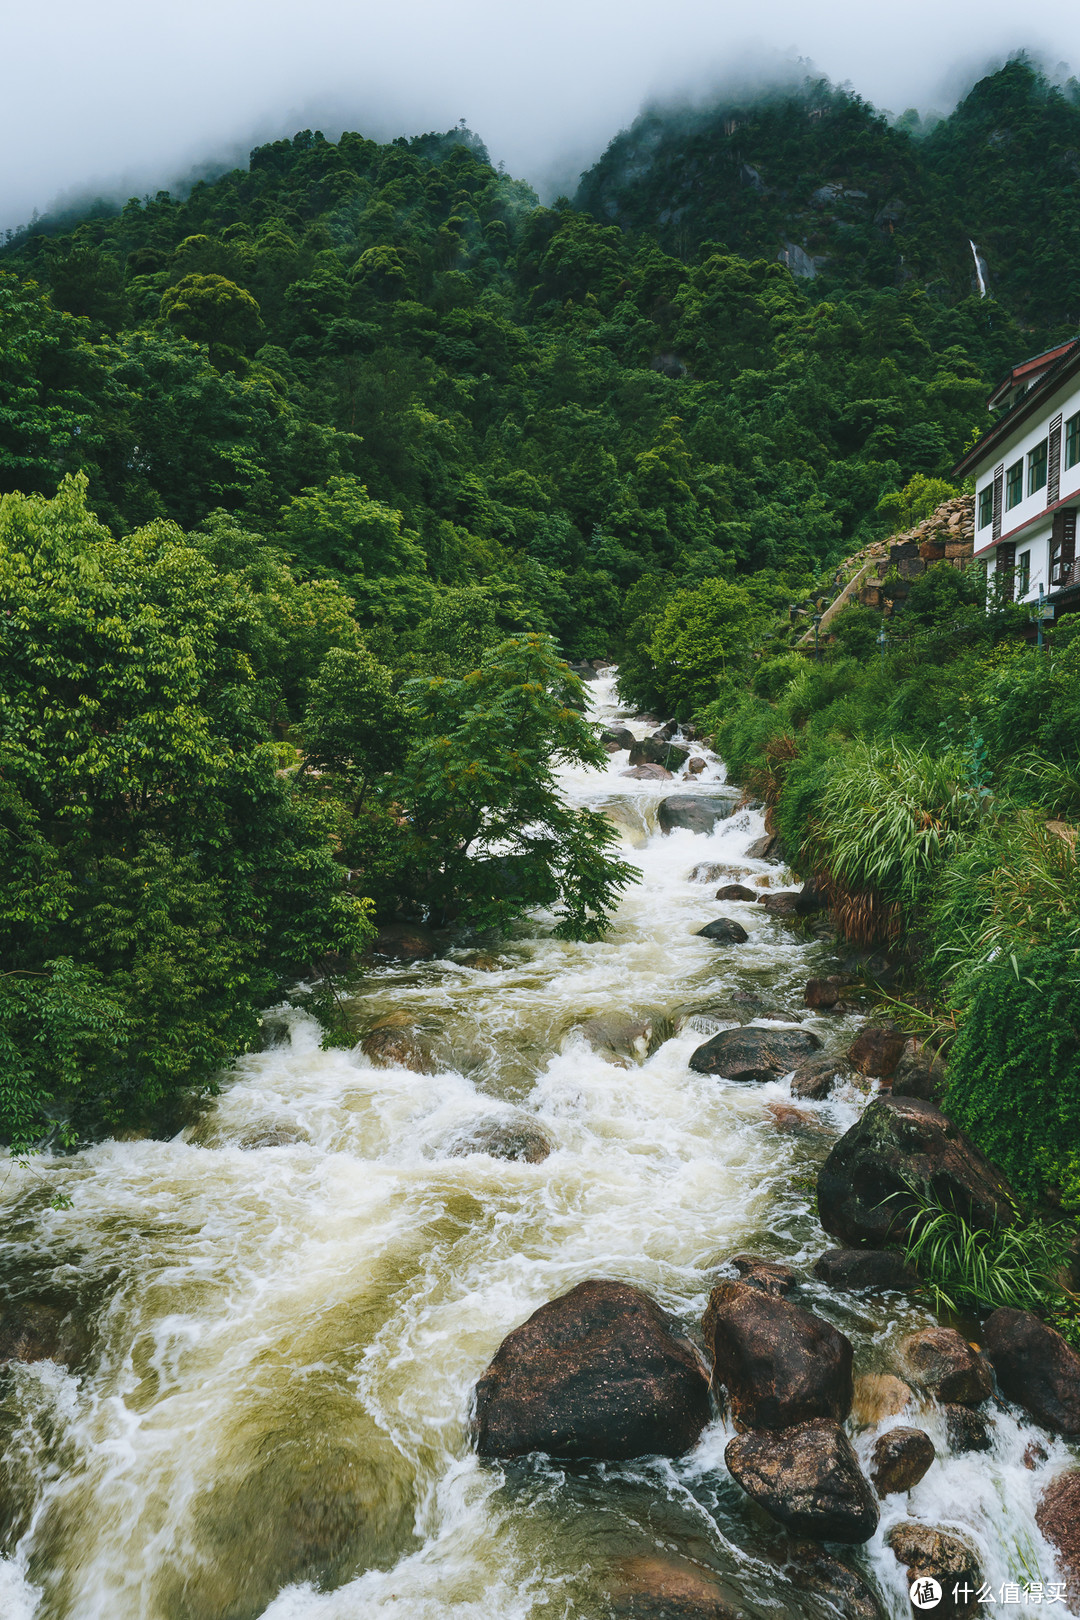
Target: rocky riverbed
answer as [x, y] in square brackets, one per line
[524, 1307]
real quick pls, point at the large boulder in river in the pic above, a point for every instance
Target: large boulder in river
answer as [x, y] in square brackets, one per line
[754, 1053]
[724, 931]
[1035, 1368]
[815, 1077]
[600, 1372]
[736, 891]
[877, 1049]
[658, 751]
[395, 1042]
[666, 1588]
[517, 1139]
[900, 1458]
[697, 812]
[405, 942]
[864, 1191]
[1058, 1517]
[942, 1361]
[779, 1363]
[809, 1478]
[942, 1557]
[648, 773]
[856, 1271]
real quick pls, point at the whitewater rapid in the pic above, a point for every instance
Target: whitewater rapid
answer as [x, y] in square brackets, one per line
[273, 1419]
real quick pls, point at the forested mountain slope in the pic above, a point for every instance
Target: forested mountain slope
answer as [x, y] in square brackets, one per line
[389, 361]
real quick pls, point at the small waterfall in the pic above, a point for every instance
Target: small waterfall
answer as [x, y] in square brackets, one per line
[978, 268]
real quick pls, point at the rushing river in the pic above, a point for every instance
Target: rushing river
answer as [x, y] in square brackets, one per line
[272, 1417]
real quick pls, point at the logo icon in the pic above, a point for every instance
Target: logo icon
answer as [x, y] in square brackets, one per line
[925, 1593]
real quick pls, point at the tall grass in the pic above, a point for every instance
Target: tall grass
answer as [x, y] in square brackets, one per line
[964, 1268]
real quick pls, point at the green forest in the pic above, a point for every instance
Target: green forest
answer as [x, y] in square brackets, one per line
[315, 477]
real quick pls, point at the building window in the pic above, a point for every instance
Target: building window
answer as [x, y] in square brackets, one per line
[1023, 574]
[1004, 571]
[1014, 485]
[1072, 440]
[1037, 468]
[986, 506]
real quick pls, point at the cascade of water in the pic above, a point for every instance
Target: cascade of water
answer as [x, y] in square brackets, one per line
[979, 266]
[273, 1421]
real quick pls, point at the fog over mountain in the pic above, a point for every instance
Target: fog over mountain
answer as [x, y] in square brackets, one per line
[120, 97]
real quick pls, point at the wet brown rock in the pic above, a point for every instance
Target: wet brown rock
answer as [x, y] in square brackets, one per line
[899, 1460]
[824, 993]
[395, 1043]
[942, 1361]
[762, 848]
[735, 891]
[771, 1276]
[855, 1270]
[698, 812]
[617, 738]
[696, 765]
[779, 1363]
[665, 1588]
[1035, 1368]
[795, 1120]
[649, 773]
[405, 942]
[1035, 1454]
[812, 1569]
[713, 871]
[1058, 1517]
[724, 931]
[752, 1053]
[863, 1190]
[919, 1073]
[618, 1034]
[967, 1430]
[31, 1330]
[600, 1372]
[785, 904]
[809, 1478]
[815, 1077]
[514, 1139]
[944, 1558]
[658, 751]
[282, 1134]
[878, 1396]
[482, 962]
[877, 1049]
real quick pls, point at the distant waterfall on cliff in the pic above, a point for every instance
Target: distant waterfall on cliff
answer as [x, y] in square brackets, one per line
[978, 268]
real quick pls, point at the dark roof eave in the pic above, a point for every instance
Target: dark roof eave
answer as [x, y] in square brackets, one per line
[1058, 372]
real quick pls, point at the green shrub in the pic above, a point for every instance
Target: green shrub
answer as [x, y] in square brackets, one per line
[1014, 1069]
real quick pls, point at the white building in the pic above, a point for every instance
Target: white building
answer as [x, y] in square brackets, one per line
[1027, 479]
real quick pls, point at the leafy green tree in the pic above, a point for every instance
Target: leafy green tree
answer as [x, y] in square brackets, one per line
[340, 527]
[701, 636]
[489, 833]
[160, 879]
[213, 310]
[354, 725]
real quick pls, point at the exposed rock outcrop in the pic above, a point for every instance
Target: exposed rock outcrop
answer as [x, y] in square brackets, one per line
[815, 1077]
[1035, 1368]
[944, 1558]
[779, 1363]
[879, 1396]
[943, 1362]
[600, 1372]
[665, 1588]
[753, 1053]
[771, 1276]
[394, 1042]
[899, 1459]
[877, 1049]
[736, 891]
[853, 1271]
[809, 1478]
[864, 1187]
[698, 812]
[724, 931]
[1058, 1517]
[520, 1139]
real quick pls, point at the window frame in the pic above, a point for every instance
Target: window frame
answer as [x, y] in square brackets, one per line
[1023, 574]
[1014, 484]
[1038, 465]
[986, 505]
[1071, 442]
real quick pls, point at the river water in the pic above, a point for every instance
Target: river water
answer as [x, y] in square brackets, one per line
[271, 1419]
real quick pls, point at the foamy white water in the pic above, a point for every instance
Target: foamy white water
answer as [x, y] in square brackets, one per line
[272, 1420]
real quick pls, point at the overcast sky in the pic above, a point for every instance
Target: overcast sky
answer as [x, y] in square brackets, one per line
[126, 95]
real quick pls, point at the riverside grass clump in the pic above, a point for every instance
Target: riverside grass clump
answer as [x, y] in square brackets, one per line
[932, 789]
[964, 1268]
